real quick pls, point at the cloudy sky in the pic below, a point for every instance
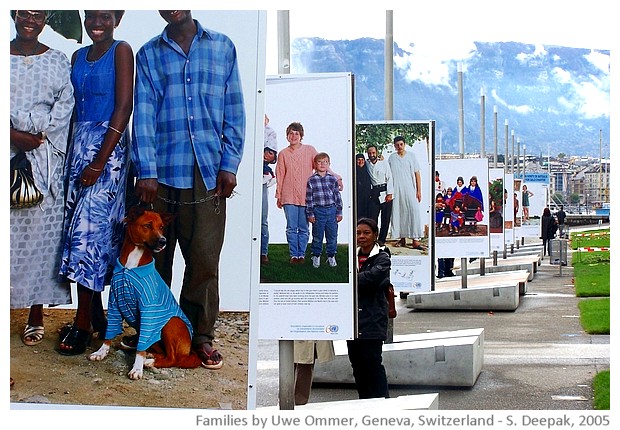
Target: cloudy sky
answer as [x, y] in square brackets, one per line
[439, 33]
[436, 33]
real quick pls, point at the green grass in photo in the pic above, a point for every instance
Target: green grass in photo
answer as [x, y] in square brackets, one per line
[281, 271]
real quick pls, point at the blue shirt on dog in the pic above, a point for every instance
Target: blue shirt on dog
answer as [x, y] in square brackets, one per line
[142, 298]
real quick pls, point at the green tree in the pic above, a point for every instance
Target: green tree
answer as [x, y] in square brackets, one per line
[496, 192]
[382, 134]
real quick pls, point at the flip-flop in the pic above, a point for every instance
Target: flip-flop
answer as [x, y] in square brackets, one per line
[33, 334]
[205, 357]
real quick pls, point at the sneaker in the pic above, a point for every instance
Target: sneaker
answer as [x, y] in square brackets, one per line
[331, 261]
[316, 261]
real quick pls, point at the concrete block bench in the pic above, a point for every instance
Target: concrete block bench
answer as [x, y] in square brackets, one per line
[447, 358]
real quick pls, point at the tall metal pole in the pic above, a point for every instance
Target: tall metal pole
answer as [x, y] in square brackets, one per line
[506, 164]
[600, 165]
[286, 364]
[461, 112]
[518, 160]
[389, 65]
[389, 101]
[462, 149]
[284, 43]
[512, 158]
[495, 136]
[482, 260]
[506, 146]
[482, 124]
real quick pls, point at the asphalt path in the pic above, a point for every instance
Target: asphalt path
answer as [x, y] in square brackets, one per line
[535, 358]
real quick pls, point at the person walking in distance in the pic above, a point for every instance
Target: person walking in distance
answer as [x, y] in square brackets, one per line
[561, 217]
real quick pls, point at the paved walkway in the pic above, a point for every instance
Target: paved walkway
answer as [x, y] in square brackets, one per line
[537, 357]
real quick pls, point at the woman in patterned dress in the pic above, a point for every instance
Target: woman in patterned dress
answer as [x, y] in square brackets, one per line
[97, 165]
[41, 106]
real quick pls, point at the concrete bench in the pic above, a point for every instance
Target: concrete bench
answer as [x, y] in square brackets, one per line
[512, 263]
[494, 291]
[401, 403]
[448, 358]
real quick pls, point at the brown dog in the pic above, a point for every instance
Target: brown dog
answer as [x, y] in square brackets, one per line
[140, 296]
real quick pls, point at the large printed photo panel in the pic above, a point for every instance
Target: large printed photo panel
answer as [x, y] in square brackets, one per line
[306, 281]
[465, 232]
[169, 388]
[402, 203]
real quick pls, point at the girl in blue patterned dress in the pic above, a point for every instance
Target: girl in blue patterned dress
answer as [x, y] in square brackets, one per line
[97, 165]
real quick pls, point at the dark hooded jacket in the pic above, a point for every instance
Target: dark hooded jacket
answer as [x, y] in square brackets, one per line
[372, 280]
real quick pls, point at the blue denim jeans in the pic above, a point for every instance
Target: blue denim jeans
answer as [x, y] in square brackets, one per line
[264, 226]
[297, 232]
[325, 225]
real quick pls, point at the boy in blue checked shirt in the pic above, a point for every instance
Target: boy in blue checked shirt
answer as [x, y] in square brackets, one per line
[323, 209]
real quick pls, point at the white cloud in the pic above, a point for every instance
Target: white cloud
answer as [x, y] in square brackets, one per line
[598, 59]
[432, 65]
[522, 109]
[595, 101]
[587, 96]
[563, 101]
[561, 75]
[539, 52]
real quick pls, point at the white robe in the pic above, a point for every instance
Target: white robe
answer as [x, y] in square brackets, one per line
[406, 220]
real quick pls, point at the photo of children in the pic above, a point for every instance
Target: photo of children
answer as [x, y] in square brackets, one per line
[464, 205]
[465, 230]
[323, 210]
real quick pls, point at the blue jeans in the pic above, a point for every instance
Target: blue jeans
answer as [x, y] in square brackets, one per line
[297, 233]
[325, 225]
[264, 226]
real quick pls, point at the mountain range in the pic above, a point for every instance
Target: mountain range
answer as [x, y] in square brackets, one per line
[555, 99]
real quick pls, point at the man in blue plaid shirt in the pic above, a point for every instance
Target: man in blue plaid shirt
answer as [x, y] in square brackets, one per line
[189, 130]
[323, 210]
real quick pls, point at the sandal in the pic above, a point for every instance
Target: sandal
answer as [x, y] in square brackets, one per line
[211, 360]
[401, 242]
[77, 339]
[64, 330]
[33, 334]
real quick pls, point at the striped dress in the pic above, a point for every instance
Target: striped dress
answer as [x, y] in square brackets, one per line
[141, 297]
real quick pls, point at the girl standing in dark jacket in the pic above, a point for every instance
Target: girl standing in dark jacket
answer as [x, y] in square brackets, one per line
[365, 352]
